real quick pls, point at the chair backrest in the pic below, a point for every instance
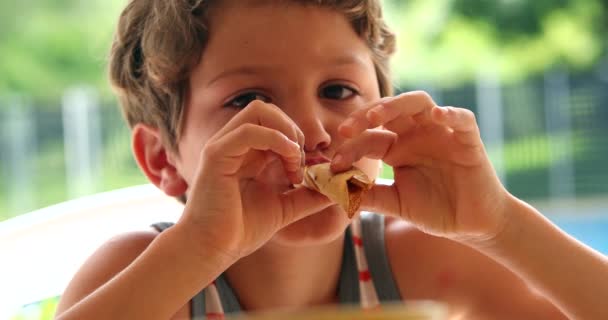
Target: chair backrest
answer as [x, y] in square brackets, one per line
[40, 251]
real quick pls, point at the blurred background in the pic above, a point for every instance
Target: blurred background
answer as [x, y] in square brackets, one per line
[534, 72]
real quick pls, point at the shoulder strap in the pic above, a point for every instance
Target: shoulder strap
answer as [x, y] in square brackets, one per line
[197, 303]
[162, 226]
[348, 285]
[197, 306]
[372, 231]
[229, 300]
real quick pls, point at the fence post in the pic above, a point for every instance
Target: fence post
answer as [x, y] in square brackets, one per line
[602, 69]
[82, 140]
[20, 137]
[491, 117]
[559, 133]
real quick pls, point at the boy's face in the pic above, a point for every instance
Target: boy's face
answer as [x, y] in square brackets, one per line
[308, 61]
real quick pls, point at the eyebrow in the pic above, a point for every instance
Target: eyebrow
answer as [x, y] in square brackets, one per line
[260, 69]
[241, 70]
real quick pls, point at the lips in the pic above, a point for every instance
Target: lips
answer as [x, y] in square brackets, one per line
[312, 160]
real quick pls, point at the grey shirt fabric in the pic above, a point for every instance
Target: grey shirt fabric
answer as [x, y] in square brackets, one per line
[372, 232]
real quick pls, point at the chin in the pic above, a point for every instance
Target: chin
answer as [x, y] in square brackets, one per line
[320, 228]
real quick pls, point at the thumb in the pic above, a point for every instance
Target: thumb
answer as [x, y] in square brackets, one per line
[382, 199]
[301, 202]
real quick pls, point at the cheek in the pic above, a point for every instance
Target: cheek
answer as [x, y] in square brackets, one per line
[331, 122]
[197, 132]
[187, 163]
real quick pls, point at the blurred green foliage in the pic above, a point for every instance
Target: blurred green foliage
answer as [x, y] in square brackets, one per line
[445, 43]
[48, 45]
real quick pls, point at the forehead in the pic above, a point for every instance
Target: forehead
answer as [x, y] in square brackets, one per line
[282, 35]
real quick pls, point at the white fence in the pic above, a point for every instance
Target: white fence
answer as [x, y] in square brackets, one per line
[82, 144]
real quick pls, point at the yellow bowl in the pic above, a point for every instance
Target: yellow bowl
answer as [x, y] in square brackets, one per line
[415, 310]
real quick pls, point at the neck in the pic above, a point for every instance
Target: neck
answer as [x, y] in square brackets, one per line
[288, 278]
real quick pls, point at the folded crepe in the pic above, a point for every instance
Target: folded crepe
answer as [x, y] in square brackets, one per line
[346, 188]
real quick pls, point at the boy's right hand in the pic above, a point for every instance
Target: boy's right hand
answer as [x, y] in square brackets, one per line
[232, 206]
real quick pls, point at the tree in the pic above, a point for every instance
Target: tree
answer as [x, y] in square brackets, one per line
[47, 46]
[455, 40]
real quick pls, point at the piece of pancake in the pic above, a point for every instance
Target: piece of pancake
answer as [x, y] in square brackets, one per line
[346, 188]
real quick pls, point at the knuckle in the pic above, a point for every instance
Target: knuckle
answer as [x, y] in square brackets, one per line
[470, 114]
[463, 114]
[246, 129]
[245, 132]
[390, 136]
[277, 136]
[260, 109]
[277, 110]
[256, 106]
[270, 108]
[278, 139]
[300, 136]
[210, 150]
[286, 126]
[294, 134]
[423, 95]
[368, 136]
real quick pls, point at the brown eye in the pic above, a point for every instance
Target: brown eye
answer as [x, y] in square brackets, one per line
[337, 92]
[242, 100]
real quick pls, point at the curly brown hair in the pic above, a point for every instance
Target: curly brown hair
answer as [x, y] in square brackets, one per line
[159, 42]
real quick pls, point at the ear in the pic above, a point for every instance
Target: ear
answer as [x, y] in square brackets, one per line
[155, 160]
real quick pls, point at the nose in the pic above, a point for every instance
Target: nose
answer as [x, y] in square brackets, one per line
[309, 118]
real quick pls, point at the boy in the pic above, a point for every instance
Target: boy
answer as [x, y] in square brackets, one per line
[224, 96]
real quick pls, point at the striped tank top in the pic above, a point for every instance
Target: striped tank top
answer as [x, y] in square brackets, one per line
[365, 277]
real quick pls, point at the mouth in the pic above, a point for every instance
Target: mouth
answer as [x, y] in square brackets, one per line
[318, 159]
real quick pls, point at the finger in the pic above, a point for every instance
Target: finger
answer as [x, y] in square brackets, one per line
[301, 142]
[229, 151]
[374, 144]
[404, 113]
[302, 202]
[397, 114]
[270, 116]
[265, 115]
[357, 121]
[461, 121]
[383, 199]
[267, 166]
[300, 135]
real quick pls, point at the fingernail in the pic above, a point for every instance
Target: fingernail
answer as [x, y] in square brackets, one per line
[442, 111]
[389, 99]
[295, 146]
[302, 157]
[338, 159]
[375, 114]
[300, 175]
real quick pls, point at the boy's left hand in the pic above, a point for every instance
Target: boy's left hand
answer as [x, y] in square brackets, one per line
[444, 181]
